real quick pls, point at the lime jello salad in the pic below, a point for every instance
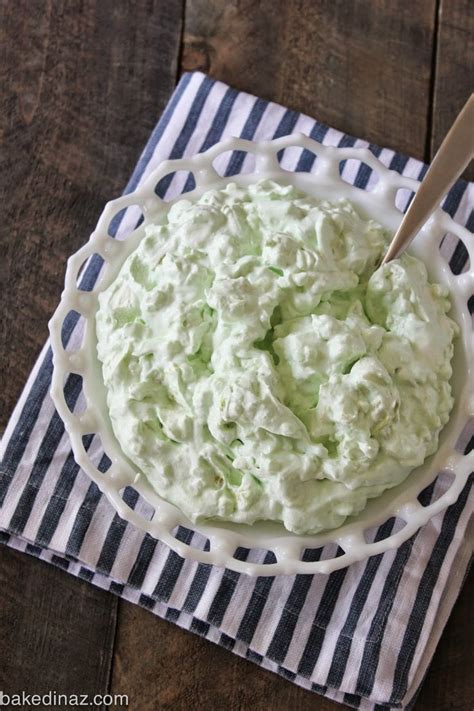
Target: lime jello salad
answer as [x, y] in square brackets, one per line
[259, 366]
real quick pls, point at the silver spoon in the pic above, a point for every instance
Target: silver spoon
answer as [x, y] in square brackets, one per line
[454, 154]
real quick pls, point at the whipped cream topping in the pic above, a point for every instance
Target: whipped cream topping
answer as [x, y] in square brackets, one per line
[259, 367]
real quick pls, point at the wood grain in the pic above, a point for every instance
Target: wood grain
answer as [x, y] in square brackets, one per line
[56, 632]
[454, 77]
[362, 67]
[83, 83]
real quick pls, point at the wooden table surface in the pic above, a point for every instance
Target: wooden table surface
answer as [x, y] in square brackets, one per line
[82, 85]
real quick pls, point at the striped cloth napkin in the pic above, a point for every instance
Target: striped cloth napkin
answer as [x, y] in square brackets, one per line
[363, 635]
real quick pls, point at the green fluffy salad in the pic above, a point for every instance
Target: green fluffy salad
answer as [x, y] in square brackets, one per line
[259, 366]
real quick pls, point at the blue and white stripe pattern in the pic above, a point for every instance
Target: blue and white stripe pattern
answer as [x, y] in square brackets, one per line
[363, 635]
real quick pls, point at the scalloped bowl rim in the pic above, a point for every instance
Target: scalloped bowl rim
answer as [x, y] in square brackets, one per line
[224, 539]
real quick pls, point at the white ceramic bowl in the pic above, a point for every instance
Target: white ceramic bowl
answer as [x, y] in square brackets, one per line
[218, 542]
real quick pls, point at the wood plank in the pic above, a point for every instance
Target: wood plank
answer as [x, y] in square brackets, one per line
[454, 78]
[83, 84]
[361, 67]
[56, 632]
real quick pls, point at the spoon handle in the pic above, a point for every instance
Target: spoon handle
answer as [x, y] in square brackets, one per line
[454, 154]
